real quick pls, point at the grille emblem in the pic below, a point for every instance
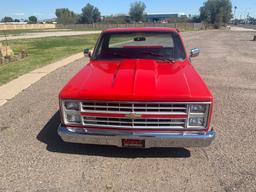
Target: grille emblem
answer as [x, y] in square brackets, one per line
[133, 116]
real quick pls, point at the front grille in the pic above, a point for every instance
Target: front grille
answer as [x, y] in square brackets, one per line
[114, 114]
[155, 123]
[134, 107]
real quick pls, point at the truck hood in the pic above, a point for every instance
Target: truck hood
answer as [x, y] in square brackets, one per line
[137, 79]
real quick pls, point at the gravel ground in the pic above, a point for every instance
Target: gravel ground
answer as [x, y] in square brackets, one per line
[33, 158]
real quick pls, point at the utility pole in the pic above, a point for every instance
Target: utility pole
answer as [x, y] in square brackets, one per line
[235, 8]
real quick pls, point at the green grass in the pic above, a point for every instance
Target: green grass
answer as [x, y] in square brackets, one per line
[41, 52]
[17, 32]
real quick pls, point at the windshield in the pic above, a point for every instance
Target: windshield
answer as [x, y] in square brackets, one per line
[140, 45]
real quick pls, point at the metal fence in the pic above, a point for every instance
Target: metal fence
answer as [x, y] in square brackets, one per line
[180, 26]
[97, 26]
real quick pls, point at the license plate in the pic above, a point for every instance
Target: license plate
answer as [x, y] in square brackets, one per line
[133, 143]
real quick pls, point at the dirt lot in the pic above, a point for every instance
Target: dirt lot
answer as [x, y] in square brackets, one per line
[33, 158]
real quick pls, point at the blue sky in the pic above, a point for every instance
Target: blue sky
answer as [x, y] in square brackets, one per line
[44, 9]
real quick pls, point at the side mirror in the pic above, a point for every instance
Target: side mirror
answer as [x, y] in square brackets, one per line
[88, 52]
[194, 52]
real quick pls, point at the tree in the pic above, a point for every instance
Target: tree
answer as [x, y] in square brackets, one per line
[117, 19]
[216, 12]
[90, 14]
[195, 19]
[137, 11]
[32, 19]
[7, 19]
[251, 20]
[16, 20]
[65, 16]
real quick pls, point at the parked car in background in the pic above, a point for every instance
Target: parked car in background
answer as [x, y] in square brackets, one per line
[138, 90]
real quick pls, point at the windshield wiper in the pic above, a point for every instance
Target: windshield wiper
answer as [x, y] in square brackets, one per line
[167, 60]
[159, 55]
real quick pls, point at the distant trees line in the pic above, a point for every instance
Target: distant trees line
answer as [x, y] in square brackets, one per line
[30, 20]
[91, 14]
[213, 12]
[249, 20]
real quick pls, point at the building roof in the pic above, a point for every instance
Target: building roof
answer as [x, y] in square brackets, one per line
[163, 14]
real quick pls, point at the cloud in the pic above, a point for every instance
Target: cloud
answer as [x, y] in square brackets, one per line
[19, 14]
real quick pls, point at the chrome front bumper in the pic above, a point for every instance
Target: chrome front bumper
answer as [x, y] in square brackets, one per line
[152, 139]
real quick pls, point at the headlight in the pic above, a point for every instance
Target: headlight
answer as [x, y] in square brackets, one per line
[196, 121]
[73, 118]
[71, 112]
[71, 105]
[197, 108]
[198, 115]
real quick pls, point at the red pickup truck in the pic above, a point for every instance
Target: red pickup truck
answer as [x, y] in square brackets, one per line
[138, 90]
